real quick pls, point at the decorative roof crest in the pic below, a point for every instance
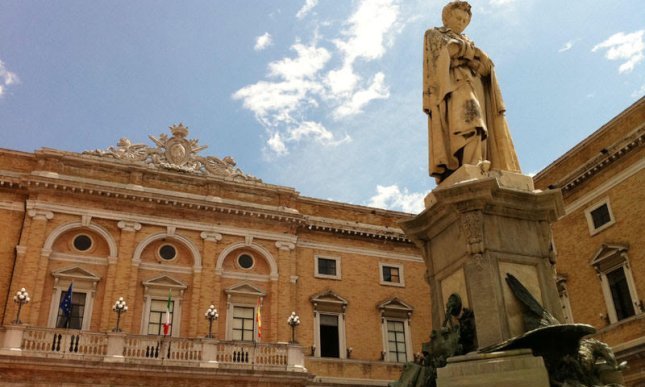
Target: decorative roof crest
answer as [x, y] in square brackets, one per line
[175, 153]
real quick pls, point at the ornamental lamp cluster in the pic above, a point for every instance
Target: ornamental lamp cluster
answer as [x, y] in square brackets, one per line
[211, 315]
[21, 298]
[119, 307]
[293, 321]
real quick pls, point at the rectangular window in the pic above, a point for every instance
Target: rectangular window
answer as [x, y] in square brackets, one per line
[620, 293]
[391, 274]
[327, 267]
[243, 323]
[600, 216]
[157, 316]
[75, 319]
[396, 341]
[329, 345]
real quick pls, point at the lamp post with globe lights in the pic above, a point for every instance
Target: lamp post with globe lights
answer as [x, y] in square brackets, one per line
[119, 307]
[211, 315]
[293, 321]
[21, 298]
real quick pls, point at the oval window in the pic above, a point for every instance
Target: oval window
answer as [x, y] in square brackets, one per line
[167, 252]
[82, 242]
[245, 261]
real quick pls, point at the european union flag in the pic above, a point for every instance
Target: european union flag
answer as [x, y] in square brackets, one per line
[66, 304]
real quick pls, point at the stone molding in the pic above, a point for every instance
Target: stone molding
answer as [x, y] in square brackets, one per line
[40, 214]
[211, 236]
[359, 250]
[129, 226]
[163, 222]
[286, 246]
[273, 266]
[12, 206]
[189, 244]
[58, 231]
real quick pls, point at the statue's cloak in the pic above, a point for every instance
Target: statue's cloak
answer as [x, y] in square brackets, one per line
[438, 83]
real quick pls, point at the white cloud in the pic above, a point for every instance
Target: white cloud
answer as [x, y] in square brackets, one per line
[306, 8]
[276, 145]
[367, 30]
[355, 104]
[567, 46]
[501, 3]
[392, 198]
[299, 83]
[263, 41]
[7, 78]
[309, 61]
[628, 47]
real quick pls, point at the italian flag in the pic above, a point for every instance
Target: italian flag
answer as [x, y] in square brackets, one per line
[167, 324]
[258, 318]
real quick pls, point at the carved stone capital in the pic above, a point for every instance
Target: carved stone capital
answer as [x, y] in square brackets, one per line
[45, 253]
[285, 245]
[40, 214]
[472, 226]
[129, 226]
[21, 250]
[211, 236]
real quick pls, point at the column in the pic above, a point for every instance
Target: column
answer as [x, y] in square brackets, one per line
[285, 295]
[209, 290]
[34, 266]
[126, 275]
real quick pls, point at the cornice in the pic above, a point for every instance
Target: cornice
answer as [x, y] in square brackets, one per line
[603, 160]
[317, 223]
[54, 181]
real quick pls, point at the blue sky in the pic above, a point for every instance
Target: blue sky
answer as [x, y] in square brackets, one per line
[322, 96]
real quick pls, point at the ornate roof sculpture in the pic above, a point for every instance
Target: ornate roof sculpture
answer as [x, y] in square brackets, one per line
[176, 153]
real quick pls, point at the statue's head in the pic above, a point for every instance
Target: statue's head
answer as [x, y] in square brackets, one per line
[456, 15]
[453, 307]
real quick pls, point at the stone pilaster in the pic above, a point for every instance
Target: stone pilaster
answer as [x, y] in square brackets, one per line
[125, 278]
[210, 283]
[286, 288]
[35, 265]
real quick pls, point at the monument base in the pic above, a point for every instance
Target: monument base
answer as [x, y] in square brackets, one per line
[499, 369]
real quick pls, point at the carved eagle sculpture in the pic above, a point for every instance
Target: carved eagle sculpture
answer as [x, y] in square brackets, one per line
[535, 315]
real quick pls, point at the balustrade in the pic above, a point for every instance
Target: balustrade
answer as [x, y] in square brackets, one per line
[45, 342]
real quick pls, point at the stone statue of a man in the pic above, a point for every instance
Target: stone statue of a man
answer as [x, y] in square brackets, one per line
[466, 122]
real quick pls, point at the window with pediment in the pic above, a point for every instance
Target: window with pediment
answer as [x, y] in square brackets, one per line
[329, 325]
[160, 294]
[242, 320]
[619, 290]
[82, 298]
[395, 329]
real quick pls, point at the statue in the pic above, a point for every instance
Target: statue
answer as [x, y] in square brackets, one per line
[466, 123]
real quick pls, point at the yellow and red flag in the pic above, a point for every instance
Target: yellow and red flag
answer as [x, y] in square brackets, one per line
[258, 317]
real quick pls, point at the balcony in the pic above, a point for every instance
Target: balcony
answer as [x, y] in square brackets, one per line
[52, 352]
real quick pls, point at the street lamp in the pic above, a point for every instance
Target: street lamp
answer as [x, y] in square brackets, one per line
[211, 315]
[293, 321]
[119, 307]
[21, 298]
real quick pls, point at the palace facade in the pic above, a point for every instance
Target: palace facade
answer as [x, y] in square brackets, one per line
[172, 233]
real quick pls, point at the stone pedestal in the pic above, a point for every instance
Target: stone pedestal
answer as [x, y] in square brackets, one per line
[477, 229]
[499, 369]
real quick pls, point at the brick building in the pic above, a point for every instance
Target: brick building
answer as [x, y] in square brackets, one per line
[600, 243]
[166, 228]
[152, 223]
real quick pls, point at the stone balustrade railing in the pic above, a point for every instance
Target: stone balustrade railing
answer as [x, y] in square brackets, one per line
[120, 347]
